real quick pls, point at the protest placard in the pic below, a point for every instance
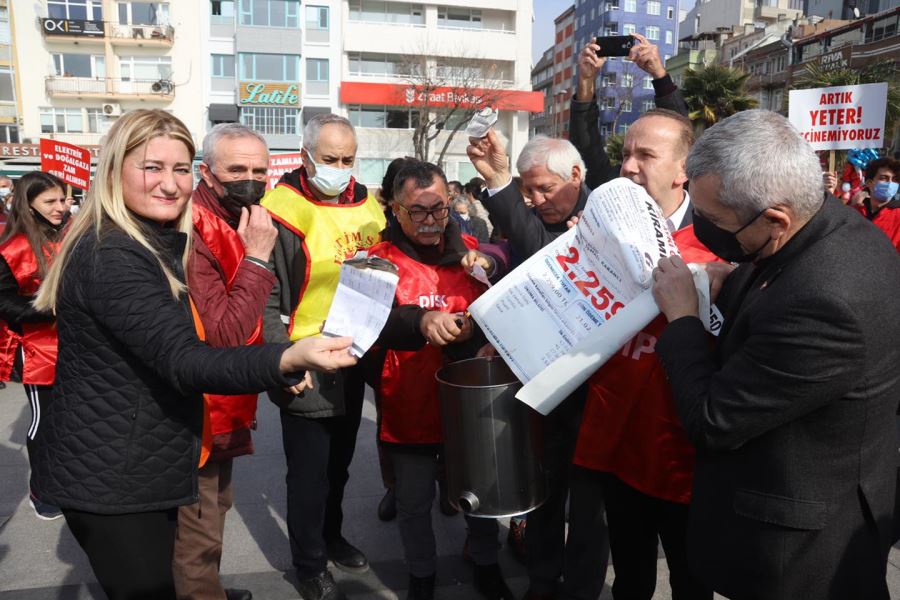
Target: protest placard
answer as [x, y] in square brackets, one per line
[839, 118]
[279, 164]
[70, 163]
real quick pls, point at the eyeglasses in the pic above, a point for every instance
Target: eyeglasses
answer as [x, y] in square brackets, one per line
[419, 216]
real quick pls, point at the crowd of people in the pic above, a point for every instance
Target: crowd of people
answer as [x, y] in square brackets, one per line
[764, 460]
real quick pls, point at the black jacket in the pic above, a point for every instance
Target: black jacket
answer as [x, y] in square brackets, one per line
[122, 431]
[793, 417]
[526, 231]
[584, 131]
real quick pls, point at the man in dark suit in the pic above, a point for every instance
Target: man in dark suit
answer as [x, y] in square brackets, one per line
[793, 411]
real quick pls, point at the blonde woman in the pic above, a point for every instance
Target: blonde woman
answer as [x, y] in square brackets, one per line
[119, 445]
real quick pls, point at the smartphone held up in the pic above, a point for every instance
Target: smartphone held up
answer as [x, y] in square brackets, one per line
[615, 45]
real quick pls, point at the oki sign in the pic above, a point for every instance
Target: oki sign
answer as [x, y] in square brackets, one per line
[255, 93]
[839, 118]
[70, 163]
[353, 92]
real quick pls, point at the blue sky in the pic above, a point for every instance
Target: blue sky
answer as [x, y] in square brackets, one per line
[544, 13]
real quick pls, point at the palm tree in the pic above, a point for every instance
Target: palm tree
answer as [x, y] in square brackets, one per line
[614, 145]
[713, 92]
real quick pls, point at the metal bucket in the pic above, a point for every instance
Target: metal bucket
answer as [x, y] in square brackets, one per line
[492, 442]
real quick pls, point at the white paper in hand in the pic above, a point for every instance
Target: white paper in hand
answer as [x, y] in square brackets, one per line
[362, 301]
[482, 122]
[480, 274]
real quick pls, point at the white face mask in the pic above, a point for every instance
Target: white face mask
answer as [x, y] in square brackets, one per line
[4, 192]
[329, 180]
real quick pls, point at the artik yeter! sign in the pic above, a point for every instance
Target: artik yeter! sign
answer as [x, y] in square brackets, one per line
[839, 118]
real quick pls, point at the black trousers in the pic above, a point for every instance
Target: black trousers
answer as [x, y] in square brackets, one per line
[549, 555]
[131, 554]
[637, 523]
[319, 452]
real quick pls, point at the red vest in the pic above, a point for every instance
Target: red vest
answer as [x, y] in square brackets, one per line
[408, 397]
[888, 220]
[630, 427]
[227, 413]
[38, 340]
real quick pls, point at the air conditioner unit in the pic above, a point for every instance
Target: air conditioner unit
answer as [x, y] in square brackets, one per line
[163, 86]
[112, 110]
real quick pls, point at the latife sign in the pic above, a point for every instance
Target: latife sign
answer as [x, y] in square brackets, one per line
[839, 118]
[407, 95]
[70, 163]
[73, 27]
[255, 93]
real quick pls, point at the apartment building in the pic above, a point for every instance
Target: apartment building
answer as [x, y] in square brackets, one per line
[624, 91]
[82, 63]
[712, 15]
[397, 57]
[542, 81]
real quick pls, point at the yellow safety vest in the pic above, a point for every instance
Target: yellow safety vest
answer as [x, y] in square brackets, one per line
[329, 233]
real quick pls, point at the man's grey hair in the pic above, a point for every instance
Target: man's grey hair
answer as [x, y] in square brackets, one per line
[556, 155]
[229, 131]
[315, 124]
[761, 161]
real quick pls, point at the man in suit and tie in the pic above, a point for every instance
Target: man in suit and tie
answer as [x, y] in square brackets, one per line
[793, 411]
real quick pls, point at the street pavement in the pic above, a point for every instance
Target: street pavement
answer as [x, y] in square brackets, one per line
[39, 560]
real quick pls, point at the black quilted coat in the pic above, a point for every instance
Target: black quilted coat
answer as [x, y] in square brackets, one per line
[121, 433]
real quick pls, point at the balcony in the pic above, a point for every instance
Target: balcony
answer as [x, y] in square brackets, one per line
[141, 35]
[79, 139]
[109, 89]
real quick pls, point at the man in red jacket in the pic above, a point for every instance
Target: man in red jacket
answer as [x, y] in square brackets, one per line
[880, 198]
[229, 283]
[632, 450]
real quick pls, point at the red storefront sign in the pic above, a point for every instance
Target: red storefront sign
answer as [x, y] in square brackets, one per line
[70, 163]
[279, 164]
[354, 92]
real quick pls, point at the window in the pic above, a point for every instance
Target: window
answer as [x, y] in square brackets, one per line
[79, 65]
[609, 80]
[604, 129]
[223, 65]
[272, 121]
[652, 32]
[7, 85]
[779, 65]
[609, 103]
[627, 80]
[611, 30]
[628, 29]
[387, 65]
[653, 7]
[317, 69]
[269, 67]
[623, 129]
[626, 105]
[9, 134]
[593, 14]
[648, 83]
[97, 121]
[83, 10]
[670, 12]
[143, 13]
[270, 13]
[372, 170]
[316, 17]
[631, 6]
[648, 105]
[223, 9]
[379, 11]
[612, 5]
[381, 117]
[147, 68]
[61, 120]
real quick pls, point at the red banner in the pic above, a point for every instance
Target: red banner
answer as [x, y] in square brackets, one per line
[354, 92]
[279, 164]
[70, 163]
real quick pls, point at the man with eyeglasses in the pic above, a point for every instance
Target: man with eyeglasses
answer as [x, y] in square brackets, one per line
[427, 327]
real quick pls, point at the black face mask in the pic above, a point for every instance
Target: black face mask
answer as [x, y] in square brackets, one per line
[45, 221]
[724, 243]
[240, 194]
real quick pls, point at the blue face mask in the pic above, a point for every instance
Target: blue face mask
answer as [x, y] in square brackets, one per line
[885, 190]
[329, 180]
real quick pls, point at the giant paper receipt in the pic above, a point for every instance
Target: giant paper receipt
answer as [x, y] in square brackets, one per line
[566, 310]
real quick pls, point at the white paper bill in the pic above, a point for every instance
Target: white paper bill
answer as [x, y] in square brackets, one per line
[480, 274]
[362, 301]
[481, 122]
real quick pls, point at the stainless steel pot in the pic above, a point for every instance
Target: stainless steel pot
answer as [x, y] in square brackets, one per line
[492, 442]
